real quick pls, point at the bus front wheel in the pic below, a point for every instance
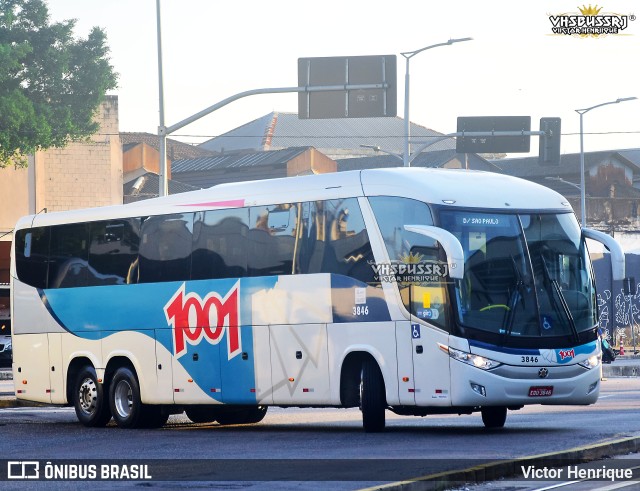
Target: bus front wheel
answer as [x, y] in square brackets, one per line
[89, 400]
[372, 397]
[494, 417]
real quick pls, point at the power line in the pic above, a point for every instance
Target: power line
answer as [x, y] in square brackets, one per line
[298, 136]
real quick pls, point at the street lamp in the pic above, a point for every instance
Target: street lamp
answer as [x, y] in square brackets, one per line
[581, 112]
[376, 148]
[408, 55]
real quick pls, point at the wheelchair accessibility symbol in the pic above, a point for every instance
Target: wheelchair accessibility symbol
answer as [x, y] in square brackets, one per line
[415, 331]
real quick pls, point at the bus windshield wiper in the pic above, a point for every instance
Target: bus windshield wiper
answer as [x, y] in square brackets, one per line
[563, 300]
[513, 300]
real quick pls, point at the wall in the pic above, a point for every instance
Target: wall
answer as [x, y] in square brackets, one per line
[14, 197]
[311, 162]
[83, 174]
[141, 159]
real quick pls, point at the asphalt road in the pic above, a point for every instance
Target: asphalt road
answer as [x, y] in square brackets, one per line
[286, 437]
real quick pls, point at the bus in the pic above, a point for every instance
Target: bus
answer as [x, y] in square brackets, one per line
[418, 291]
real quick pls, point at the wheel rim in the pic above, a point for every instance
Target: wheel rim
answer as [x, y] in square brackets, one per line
[88, 396]
[122, 398]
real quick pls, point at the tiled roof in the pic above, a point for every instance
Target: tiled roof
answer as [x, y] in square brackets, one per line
[175, 149]
[283, 130]
[148, 187]
[529, 167]
[236, 160]
[424, 159]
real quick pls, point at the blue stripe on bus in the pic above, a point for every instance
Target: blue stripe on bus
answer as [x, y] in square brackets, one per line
[100, 311]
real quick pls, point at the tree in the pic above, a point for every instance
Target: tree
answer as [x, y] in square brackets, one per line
[50, 83]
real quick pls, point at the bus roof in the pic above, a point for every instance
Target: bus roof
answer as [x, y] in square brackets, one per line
[457, 187]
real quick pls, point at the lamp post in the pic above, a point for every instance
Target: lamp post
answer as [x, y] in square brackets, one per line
[408, 55]
[583, 200]
[376, 148]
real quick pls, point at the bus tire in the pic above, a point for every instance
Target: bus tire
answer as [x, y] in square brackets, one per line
[241, 416]
[202, 414]
[89, 400]
[494, 417]
[124, 398]
[372, 397]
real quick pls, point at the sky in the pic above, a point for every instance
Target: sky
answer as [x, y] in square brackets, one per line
[514, 66]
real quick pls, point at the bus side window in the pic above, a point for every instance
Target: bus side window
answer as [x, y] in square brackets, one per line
[348, 240]
[271, 243]
[425, 299]
[392, 213]
[220, 244]
[113, 252]
[32, 256]
[333, 239]
[165, 248]
[69, 256]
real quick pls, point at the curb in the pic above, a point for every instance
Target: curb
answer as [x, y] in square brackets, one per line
[513, 468]
[613, 370]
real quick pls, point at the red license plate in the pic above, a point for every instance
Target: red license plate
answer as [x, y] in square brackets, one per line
[544, 391]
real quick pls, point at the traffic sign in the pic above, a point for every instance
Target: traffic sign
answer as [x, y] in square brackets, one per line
[350, 72]
[493, 143]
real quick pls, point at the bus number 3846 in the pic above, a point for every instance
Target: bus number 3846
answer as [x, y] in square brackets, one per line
[529, 359]
[361, 310]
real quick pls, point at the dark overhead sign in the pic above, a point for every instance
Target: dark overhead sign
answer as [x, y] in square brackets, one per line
[549, 145]
[351, 101]
[493, 143]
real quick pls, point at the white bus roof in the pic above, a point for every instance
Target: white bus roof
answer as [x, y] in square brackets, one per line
[455, 187]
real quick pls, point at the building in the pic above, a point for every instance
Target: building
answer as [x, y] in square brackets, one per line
[248, 166]
[141, 165]
[338, 138]
[612, 185]
[83, 174]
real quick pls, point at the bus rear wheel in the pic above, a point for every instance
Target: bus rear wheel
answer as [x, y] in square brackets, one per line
[126, 405]
[89, 400]
[494, 417]
[372, 397]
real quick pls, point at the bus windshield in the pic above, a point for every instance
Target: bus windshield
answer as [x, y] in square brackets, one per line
[526, 275]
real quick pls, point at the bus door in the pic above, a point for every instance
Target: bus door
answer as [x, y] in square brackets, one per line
[431, 379]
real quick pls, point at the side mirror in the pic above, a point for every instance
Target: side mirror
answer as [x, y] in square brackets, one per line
[617, 254]
[450, 243]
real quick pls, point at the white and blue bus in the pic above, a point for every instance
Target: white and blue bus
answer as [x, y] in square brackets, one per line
[419, 291]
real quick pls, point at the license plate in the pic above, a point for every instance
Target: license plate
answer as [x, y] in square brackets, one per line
[541, 391]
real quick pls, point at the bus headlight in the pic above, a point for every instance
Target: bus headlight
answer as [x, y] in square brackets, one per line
[591, 362]
[470, 359]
